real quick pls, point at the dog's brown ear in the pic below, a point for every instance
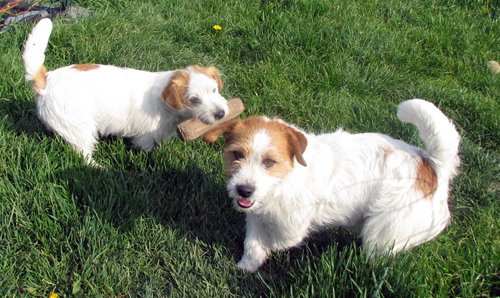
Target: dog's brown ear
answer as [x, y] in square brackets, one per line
[298, 144]
[176, 89]
[210, 72]
[215, 75]
[212, 135]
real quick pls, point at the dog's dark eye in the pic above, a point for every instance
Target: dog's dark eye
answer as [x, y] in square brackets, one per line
[215, 90]
[269, 163]
[238, 155]
[195, 100]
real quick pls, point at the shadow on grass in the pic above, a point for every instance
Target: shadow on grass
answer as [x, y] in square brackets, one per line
[185, 198]
[182, 195]
[20, 116]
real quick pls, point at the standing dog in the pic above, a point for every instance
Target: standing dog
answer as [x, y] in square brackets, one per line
[81, 102]
[290, 183]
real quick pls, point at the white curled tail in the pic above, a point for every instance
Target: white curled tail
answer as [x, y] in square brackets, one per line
[436, 131]
[34, 53]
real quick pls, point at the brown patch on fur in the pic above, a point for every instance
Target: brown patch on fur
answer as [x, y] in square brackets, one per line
[286, 143]
[40, 79]
[426, 179]
[238, 135]
[384, 153]
[85, 66]
[176, 90]
[298, 144]
[281, 152]
[212, 135]
[210, 72]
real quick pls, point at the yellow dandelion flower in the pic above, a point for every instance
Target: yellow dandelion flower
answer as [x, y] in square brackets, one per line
[53, 295]
[217, 27]
[485, 10]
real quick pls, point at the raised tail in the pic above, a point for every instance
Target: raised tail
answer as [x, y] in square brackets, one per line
[436, 131]
[34, 54]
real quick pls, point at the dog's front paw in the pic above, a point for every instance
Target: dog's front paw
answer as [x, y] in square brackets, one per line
[248, 265]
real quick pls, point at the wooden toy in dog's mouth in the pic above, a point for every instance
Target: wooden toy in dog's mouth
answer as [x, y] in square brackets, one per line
[193, 128]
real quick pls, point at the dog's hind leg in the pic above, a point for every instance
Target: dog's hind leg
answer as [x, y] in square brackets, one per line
[83, 142]
[85, 148]
[406, 227]
[145, 142]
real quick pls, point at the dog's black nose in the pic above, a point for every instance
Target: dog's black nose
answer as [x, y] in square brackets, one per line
[219, 114]
[245, 190]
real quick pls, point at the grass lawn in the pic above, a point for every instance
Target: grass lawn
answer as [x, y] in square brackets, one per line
[161, 224]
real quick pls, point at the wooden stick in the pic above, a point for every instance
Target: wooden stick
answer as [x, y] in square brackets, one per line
[193, 128]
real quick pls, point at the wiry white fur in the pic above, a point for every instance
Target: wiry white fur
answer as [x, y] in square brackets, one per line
[433, 130]
[362, 181]
[81, 105]
[34, 52]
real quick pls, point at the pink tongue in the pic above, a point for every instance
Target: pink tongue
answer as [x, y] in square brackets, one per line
[245, 203]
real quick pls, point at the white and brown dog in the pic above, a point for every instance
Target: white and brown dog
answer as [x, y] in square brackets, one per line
[290, 183]
[81, 102]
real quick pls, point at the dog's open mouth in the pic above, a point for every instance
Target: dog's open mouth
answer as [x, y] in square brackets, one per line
[245, 203]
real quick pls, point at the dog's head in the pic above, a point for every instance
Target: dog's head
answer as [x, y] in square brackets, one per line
[194, 92]
[259, 153]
